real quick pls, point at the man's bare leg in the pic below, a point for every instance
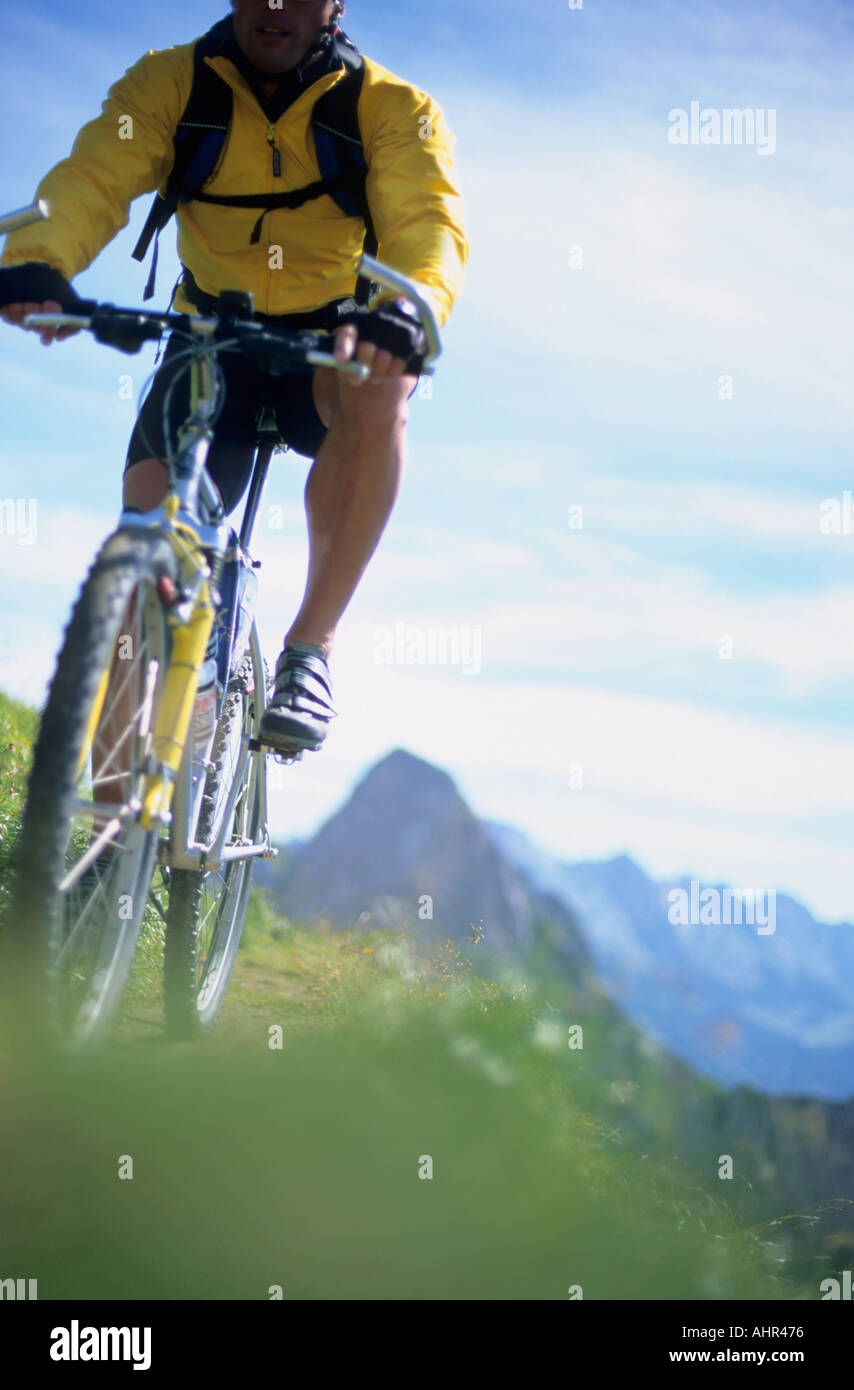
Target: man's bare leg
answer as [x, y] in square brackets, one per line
[145, 484]
[349, 494]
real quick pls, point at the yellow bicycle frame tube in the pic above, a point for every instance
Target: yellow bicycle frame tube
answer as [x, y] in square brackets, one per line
[94, 719]
[175, 706]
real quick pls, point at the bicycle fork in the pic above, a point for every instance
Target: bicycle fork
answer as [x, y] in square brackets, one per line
[191, 615]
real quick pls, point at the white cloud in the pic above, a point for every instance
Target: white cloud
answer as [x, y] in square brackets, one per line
[52, 568]
[690, 265]
[707, 511]
[737, 799]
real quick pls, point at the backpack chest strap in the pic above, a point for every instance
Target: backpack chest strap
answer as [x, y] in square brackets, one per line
[295, 198]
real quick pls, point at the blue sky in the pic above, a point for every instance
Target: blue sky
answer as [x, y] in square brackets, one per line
[688, 646]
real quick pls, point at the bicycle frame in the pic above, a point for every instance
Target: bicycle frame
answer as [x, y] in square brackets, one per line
[170, 796]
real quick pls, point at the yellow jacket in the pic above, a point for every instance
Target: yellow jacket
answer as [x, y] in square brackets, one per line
[411, 190]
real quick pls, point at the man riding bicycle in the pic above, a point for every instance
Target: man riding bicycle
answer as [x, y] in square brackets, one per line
[249, 231]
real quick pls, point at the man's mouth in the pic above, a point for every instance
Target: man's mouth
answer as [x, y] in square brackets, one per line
[273, 31]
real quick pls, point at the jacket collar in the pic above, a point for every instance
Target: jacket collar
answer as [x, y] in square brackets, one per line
[322, 58]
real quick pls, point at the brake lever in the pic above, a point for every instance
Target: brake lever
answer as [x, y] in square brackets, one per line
[323, 355]
[357, 370]
[275, 356]
[123, 330]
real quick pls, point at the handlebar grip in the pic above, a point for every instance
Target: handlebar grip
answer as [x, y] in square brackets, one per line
[32, 282]
[391, 279]
[123, 328]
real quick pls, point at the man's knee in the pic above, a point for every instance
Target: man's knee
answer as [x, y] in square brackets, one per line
[372, 407]
[145, 484]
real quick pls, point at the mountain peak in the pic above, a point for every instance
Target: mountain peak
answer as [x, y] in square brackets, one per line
[400, 774]
[406, 847]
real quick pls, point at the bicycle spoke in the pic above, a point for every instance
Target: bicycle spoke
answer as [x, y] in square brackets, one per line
[131, 729]
[72, 936]
[108, 834]
[117, 691]
[92, 810]
[104, 839]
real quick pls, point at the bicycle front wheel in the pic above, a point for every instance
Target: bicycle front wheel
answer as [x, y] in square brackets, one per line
[84, 863]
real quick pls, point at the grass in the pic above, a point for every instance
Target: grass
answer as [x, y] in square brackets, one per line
[374, 1118]
[290, 1151]
[18, 730]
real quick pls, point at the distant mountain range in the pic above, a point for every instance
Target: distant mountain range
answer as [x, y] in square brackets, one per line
[704, 1040]
[772, 1011]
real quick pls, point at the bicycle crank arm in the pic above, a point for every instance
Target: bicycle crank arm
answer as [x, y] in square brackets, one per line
[197, 856]
[232, 852]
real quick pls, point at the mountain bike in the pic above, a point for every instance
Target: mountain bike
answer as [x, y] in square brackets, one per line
[138, 766]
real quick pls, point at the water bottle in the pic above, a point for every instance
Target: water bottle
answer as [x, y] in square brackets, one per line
[205, 711]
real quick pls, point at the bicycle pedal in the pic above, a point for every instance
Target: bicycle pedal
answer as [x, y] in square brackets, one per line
[256, 746]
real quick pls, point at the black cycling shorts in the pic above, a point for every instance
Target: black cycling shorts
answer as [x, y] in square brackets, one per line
[247, 390]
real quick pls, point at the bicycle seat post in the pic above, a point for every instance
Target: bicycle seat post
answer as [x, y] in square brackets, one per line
[269, 439]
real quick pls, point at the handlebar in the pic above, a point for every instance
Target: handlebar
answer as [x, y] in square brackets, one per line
[36, 212]
[392, 280]
[128, 329]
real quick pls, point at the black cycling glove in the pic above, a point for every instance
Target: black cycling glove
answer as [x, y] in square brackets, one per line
[390, 328]
[33, 282]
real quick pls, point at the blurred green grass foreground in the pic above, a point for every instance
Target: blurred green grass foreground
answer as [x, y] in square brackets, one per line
[417, 1135]
[371, 1120]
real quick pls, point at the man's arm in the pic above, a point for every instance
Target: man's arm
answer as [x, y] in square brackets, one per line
[412, 190]
[126, 151]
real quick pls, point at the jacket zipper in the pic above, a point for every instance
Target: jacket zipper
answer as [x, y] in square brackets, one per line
[241, 91]
[277, 173]
[277, 158]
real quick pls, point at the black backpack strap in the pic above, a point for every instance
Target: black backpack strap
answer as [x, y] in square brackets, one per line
[199, 138]
[295, 198]
[340, 151]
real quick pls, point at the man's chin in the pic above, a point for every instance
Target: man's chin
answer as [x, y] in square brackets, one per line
[273, 57]
[267, 69]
